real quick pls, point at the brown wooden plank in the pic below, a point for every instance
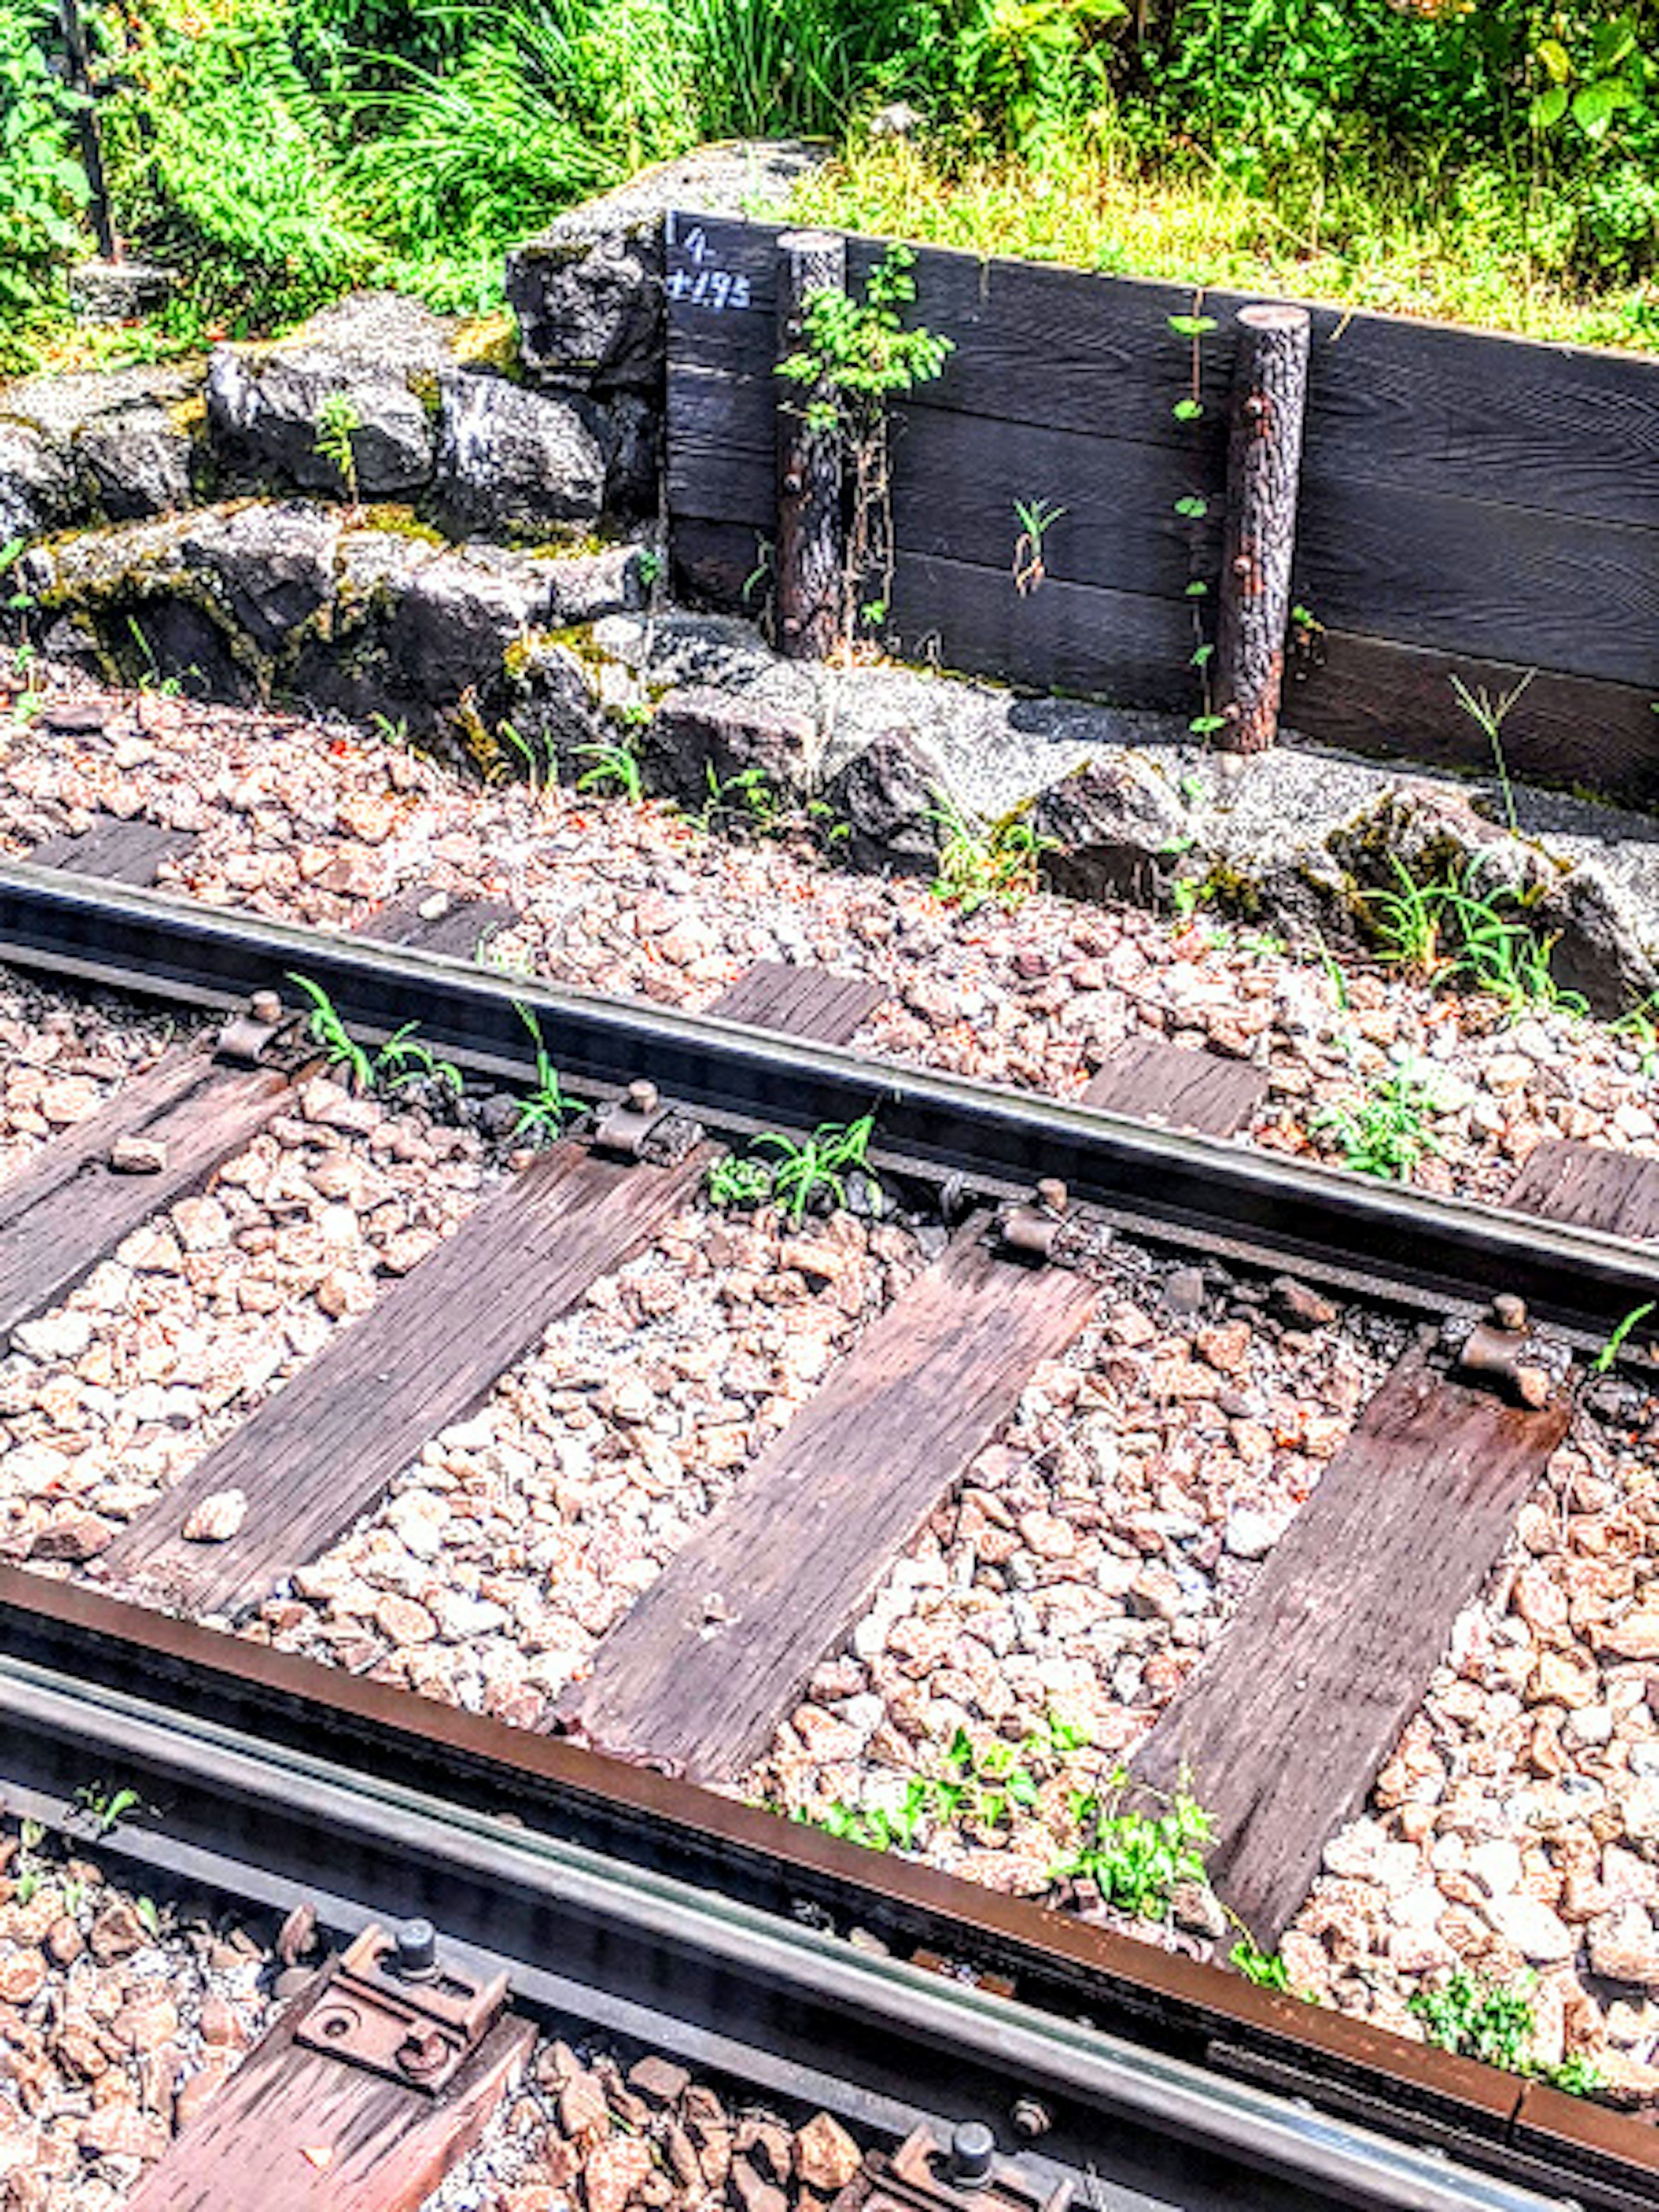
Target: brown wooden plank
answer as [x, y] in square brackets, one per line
[1158, 1081]
[67, 1209]
[1065, 637]
[1592, 1186]
[1281, 1731]
[1477, 576]
[322, 1450]
[697, 1677]
[1394, 399]
[294, 2131]
[459, 928]
[1119, 495]
[116, 851]
[1396, 703]
[805, 1001]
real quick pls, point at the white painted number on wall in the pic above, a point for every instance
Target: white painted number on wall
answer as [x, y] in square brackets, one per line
[700, 285]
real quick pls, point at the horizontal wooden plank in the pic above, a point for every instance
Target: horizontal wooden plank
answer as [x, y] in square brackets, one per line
[1281, 1731]
[1063, 637]
[697, 1677]
[115, 849]
[1396, 703]
[1566, 594]
[295, 2130]
[956, 480]
[802, 1001]
[1184, 1089]
[323, 1449]
[1393, 399]
[1592, 1186]
[67, 1209]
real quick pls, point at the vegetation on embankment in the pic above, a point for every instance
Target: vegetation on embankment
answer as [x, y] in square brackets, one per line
[1493, 159]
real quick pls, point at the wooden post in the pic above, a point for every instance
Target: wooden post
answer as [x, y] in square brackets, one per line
[1270, 390]
[92, 158]
[811, 551]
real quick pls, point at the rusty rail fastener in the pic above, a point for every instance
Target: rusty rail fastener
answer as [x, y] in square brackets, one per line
[1028, 1231]
[1495, 1351]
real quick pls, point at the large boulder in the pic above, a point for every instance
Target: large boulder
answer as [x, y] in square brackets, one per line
[588, 292]
[105, 446]
[886, 796]
[702, 736]
[514, 463]
[1107, 823]
[380, 353]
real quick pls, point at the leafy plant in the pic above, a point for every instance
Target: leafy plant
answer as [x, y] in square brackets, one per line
[615, 766]
[974, 1785]
[1001, 861]
[327, 1030]
[1136, 1859]
[1035, 518]
[1603, 1362]
[546, 1111]
[855, 358]
[1447, 932]
[405, 1058]
[106, 1808]
[1386, 1131]
[1489, 712]
[1267, 1969]
[1478, 2019]
[535, 765]
[808, 1176]
[337, 425]
[42, 185]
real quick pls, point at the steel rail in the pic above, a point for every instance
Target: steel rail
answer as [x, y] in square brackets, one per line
[541, 1887]
[1413, 1247]
[80, 1672]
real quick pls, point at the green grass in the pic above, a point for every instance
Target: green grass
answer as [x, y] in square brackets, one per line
[1409, 237]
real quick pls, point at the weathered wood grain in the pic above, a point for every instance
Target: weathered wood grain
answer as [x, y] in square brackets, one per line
[1394, 399]
[1592, 1186]
[1281, 1731]
[1157, 1081]
[1480, 577]
[119, 851]
[67, 1209]
[697, 1677]
[1118, 495]
[294, 2131]
[805, 1002]
[1396, 703]
[463, 925]
[323, 1449]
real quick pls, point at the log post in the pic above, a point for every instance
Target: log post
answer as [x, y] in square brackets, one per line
[79, 68]
[1264, 456]
[812, 550]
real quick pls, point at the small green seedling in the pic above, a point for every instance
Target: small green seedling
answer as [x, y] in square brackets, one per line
[615, 767]
[337, 425]
[405, 1059]
[1602, 1362]
[546, 1111]
[106, 1808]
[810, 1176]
[1035, 518]
[1137, 1859]
[327, 1030]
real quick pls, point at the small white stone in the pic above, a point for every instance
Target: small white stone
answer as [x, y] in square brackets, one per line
[217, 1518]
[54, 1336]
[1541, 1937]
[1250, 1534]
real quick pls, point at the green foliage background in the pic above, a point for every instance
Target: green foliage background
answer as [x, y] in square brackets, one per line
[280, 151]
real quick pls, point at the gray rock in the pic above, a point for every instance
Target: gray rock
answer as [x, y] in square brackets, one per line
[551, 697]
[272, 567]
[885, 794]
[514, 463]
[1112, 822]
[698, 730]
[629, 429]
[588, 292]
[382, 353]
[456, 616]
[120, 291]
[123, 443]
[37, 483]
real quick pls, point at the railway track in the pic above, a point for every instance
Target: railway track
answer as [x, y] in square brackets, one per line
[1287, 1723]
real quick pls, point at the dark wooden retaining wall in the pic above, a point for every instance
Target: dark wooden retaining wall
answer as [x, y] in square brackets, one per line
[1470, 505]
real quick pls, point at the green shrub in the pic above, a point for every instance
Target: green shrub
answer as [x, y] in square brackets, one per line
[43, 187]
